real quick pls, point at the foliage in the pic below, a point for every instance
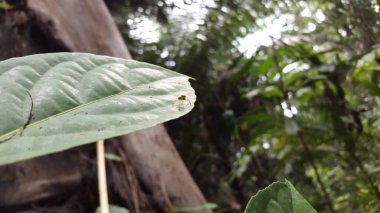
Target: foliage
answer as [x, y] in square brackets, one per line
[303, 106]
[69, 99]
[326, 116]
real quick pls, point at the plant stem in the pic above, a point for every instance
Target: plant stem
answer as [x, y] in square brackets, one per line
[102, 179]
[319, 179]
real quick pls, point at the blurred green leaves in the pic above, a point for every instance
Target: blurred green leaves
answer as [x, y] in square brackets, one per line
[320, 77]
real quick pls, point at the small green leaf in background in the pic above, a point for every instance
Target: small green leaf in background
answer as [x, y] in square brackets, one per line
[5, 6]
[194, 209]
[371, 87]
[271, 91]
[291, 126]
[290, 78]
[279, 197]
[252, 93]
[305, 94]
[79, 98]
[113, 157]
[114, 209]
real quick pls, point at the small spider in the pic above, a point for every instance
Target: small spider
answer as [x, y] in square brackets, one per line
[182, 98]
[183, 103]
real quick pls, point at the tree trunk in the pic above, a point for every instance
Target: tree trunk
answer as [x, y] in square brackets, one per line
[152, 176]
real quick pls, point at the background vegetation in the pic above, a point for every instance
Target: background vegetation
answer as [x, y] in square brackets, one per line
[286, 89]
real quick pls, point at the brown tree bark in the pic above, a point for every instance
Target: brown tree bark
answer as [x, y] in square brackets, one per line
[152, 176]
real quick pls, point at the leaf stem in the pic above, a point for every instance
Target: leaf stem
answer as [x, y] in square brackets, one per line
[102, 179]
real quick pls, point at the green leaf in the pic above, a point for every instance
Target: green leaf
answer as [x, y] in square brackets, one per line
[113, 157]
[271, 91]
[279, 197]
[289, 78]
[252, 93]
[372, 87]
[291, 127]
[194, 209]
[114, 209]
[304, 94]
[5, 6]
[273, 207]
[300, 204]
[80, 98]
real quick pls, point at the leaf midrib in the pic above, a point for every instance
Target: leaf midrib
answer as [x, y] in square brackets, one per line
[86, 104]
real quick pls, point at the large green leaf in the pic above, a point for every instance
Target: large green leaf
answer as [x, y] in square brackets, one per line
[78, 98]
[279, 197]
